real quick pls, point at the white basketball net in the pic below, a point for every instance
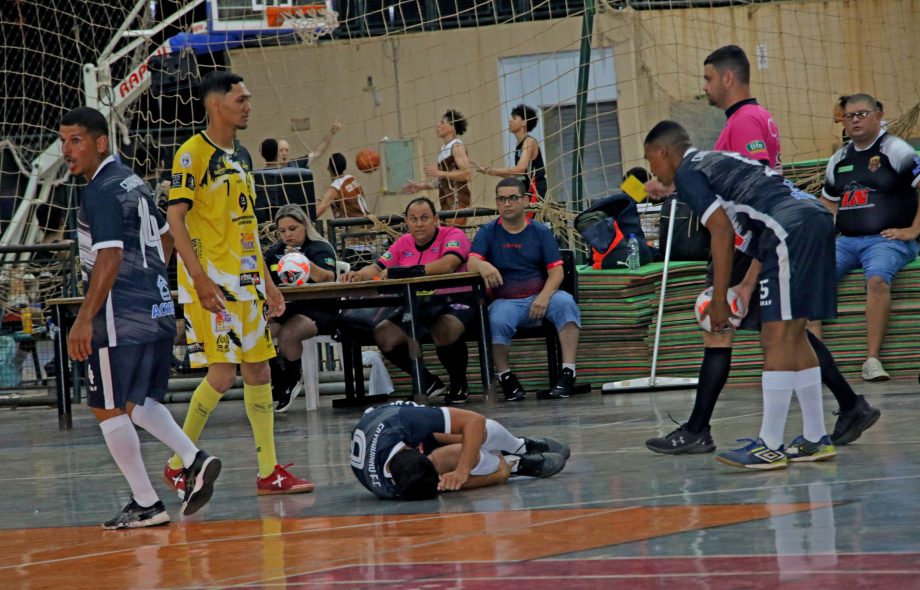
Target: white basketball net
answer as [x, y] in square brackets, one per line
[312, 24]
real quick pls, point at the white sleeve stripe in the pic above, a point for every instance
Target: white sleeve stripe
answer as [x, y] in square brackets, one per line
[915, 182]
[110, 244]
[164, 229]
[446, 412]
[709, 211]
[829, 197]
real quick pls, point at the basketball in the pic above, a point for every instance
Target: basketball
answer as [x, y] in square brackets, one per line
[294, 269]
[367, 160]
[735, 306]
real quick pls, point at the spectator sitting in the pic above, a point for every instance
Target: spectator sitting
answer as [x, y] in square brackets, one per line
[301, 319]
[519, 260]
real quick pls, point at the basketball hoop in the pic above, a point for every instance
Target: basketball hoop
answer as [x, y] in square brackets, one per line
[309, 22]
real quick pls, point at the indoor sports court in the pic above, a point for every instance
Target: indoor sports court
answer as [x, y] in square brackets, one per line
[357, 92]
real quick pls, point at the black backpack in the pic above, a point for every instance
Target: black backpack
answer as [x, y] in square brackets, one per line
[606, 226]
[691, 238]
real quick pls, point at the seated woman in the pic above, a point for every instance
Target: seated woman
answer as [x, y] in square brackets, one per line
[299, 320]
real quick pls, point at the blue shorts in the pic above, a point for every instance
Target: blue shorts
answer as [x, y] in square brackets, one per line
[796, 279]
[507, 315]
[129, 373]
[876, 255]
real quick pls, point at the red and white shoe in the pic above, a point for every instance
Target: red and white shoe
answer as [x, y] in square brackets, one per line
[175, 479]
[281, 481]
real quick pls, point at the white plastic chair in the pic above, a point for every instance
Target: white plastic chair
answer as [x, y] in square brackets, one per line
[309, 360]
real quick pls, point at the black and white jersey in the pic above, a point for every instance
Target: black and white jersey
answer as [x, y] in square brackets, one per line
[384, 431]
[875, 187]
[118, 212]
[755, 197]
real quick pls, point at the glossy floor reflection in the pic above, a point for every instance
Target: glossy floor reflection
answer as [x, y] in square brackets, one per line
[617, 517]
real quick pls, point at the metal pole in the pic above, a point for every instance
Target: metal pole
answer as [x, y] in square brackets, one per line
[581, 106]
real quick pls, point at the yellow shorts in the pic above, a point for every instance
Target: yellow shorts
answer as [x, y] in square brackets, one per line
[237, 335]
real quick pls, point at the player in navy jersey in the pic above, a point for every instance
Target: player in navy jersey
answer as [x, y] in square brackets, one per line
[126, 324]
[871, 185]
[410, 452]
[749, 206]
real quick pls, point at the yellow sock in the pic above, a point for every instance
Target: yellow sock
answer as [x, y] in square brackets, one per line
[204, 400]
[260, 409]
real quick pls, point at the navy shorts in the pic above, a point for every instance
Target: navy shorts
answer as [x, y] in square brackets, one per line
[459, 305]
[129, 373]
[797, 280]
[741, 262]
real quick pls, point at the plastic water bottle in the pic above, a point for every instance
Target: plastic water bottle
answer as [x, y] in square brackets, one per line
[632, 253]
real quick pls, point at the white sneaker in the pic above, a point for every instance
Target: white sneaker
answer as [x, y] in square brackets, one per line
[872, 370]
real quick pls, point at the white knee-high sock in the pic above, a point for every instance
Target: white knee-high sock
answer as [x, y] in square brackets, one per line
[777, 395]
[499, 439]
[125, 448]
[811, 400]
[156, 419]
[488, 463]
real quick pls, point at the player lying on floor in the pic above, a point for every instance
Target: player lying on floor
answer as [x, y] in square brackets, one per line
[410, 452]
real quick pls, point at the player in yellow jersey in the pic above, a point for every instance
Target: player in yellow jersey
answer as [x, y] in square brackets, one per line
[223, 280]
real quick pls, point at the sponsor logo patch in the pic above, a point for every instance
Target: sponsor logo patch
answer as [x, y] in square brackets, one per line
[916, 170]
[453, 244]
[249, 263]
[222, 321]
[387, 256]
[847, 168]
[195, 347]
[250, 278]
[756, 146]
[248, 242]
[161, 310]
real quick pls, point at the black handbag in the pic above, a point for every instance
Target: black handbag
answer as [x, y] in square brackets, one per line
[691, 238]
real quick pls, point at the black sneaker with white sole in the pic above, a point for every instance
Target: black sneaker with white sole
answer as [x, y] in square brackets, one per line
[457, 395]
[564, 387]
[850, 425]
[682, 441]
[540, 465]
[199, 482]
[135, 516]
[435, 388]
[286, 396]
[547, 445]
[511, 387]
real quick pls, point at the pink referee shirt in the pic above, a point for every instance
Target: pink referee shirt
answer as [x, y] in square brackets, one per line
[751, 131]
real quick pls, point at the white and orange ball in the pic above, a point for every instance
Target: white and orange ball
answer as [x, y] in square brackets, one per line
[294, 269]
[735, 306]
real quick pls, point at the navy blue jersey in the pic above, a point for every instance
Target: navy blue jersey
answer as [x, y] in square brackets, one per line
[118, 212]
[384, 431]
[523, 259]
[875, 187]
[755, 197]
[319, 252]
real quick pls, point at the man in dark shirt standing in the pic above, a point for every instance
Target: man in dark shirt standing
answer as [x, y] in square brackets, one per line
[126, 325]
[871, 185]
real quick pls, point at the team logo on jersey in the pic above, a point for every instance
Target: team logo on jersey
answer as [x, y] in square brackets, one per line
[176, 181]
[248, 242]
[223, 343]
[190, 182]
[244, 203]
[875, 162]
[185, 160]
[163, 286]
[249, 263]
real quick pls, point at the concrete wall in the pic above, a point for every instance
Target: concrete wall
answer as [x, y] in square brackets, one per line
[815, 51]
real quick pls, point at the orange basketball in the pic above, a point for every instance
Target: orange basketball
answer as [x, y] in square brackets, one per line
[367, 160]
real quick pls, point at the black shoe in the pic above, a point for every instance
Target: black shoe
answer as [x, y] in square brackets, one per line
[286, 397]
[682, 442]
[547, 445]
[850, 425]
[135, 516]
[512, 387]
[563, 388]
[435, 388]
[540, 464]
[199, 482]
[457, 395]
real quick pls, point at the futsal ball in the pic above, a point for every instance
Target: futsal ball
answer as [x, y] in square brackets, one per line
[367, 160]
[294, 269]
[735, 307]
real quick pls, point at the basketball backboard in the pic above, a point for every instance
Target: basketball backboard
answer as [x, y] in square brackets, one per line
[250, 15]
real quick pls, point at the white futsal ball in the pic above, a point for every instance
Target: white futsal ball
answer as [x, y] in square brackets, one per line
[294, 269]
[735, 306]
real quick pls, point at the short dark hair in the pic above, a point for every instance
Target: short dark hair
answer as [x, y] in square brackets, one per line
[414, 475]
[269, 149]
[670, 134]
[456, 119]
[513, 182]
[219, 81]
[862, 97]
[639, 172]
[418, 200]
[731, 57]
[529, 115]
[88, 118]
[337, 164]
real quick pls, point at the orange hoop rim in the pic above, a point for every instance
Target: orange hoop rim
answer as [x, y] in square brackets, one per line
[275, 15]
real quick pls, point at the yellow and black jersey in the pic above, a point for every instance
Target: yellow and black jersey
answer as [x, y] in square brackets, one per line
[217, 186]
